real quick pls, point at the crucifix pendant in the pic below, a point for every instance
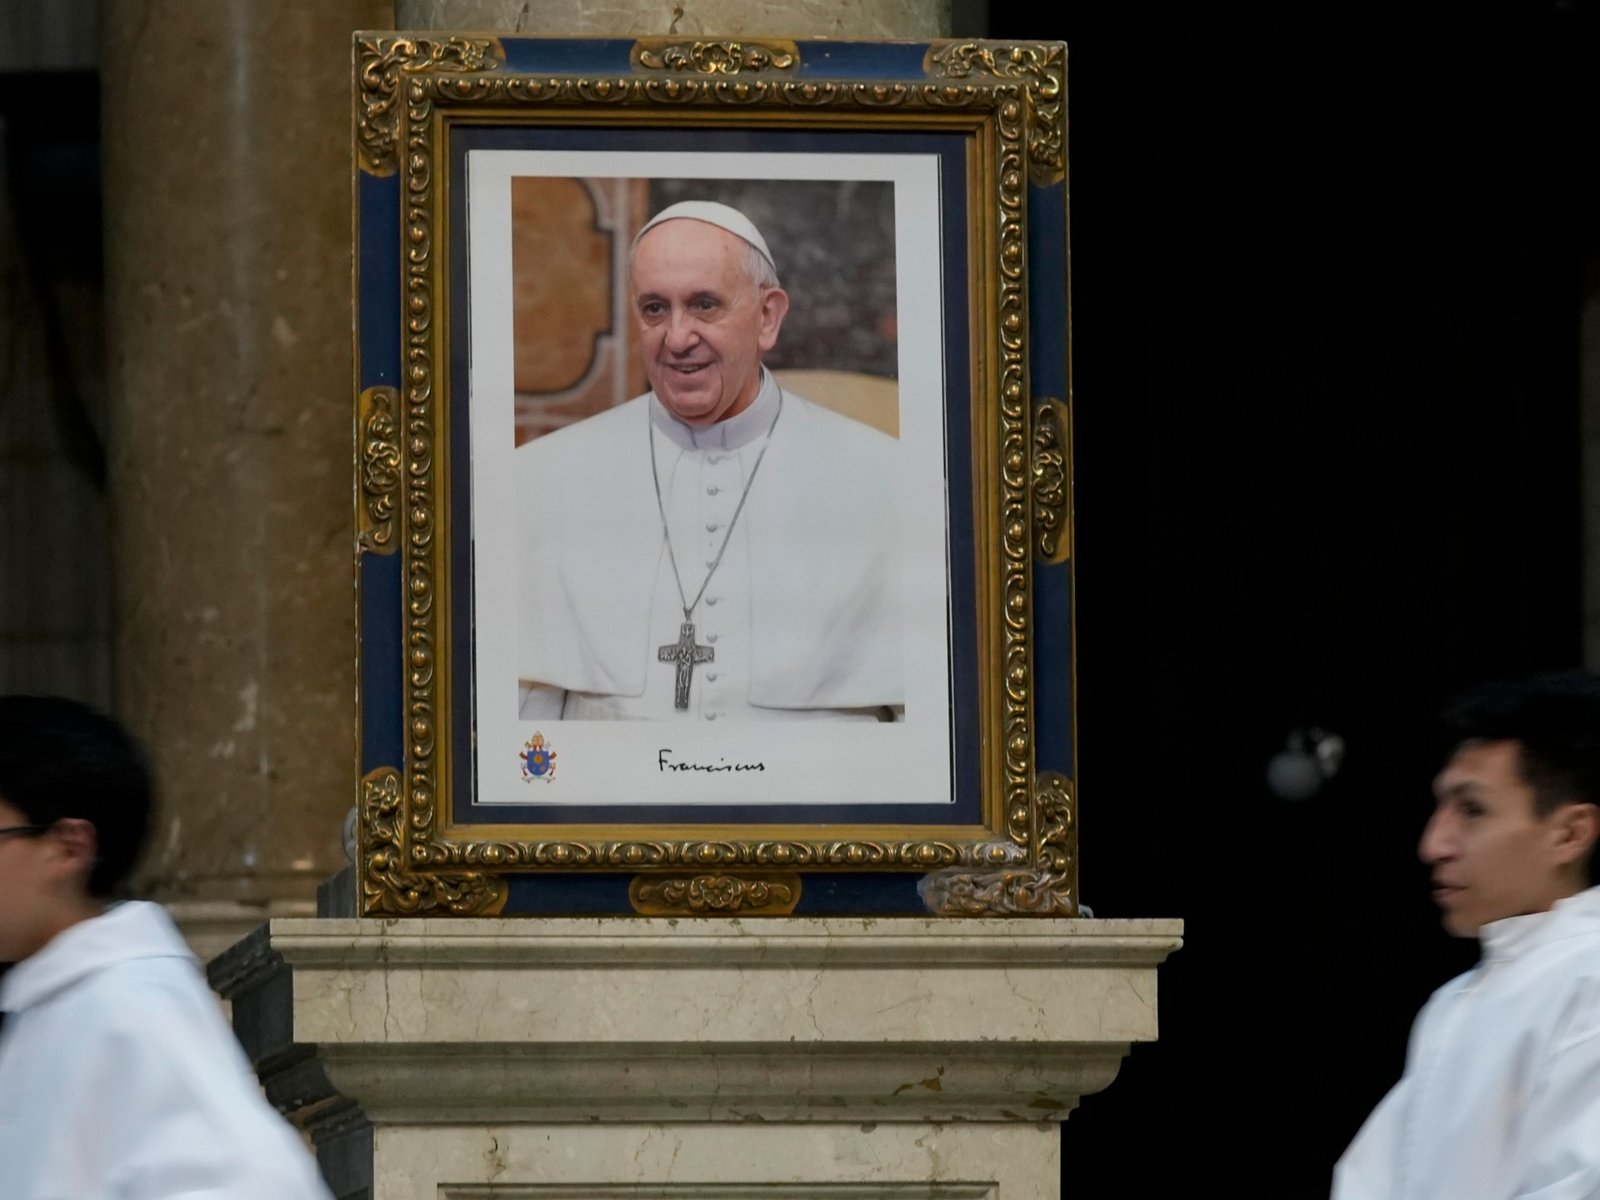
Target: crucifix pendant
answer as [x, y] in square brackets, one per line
[685, 653]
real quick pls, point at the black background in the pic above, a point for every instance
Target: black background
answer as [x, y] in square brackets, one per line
[1327, 267]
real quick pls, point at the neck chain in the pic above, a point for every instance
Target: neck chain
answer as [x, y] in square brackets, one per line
[684, 653]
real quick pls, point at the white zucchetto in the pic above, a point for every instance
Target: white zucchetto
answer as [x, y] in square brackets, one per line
[712, 213]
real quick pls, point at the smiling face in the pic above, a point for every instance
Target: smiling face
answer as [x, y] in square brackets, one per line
[703, 323]
[1492, 853]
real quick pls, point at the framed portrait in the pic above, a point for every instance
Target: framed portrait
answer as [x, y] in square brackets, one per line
[712, 477]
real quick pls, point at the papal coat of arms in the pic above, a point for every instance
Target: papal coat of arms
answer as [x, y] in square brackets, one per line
[538, 760]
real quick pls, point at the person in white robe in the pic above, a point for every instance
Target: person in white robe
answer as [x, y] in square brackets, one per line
[119, 1078]
[1500, 1098]
[718, 548]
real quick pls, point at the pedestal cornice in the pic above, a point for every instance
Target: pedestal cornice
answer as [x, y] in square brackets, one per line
[433, 1021]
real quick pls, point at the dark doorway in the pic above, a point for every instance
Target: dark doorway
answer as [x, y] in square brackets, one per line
[1326, 282]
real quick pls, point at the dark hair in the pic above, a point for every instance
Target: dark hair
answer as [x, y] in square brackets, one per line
[1554, 718]
[59, 759]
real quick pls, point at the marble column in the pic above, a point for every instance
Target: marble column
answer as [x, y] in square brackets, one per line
[914, 19]
[227, 190]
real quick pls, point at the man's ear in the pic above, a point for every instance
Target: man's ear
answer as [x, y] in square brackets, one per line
[774, 307]
[77, 845]
[1577, 827]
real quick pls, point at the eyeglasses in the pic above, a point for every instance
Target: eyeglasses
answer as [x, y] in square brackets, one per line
[26, 830]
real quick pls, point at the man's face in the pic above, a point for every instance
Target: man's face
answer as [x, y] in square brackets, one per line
[1492, 855]
[26, 880]
[703, 325]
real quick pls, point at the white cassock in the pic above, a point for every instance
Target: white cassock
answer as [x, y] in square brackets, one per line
[120, 1080]
[1500, 1099]
[802, 615]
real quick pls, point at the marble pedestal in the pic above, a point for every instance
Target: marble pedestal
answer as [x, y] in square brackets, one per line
[796, 1059]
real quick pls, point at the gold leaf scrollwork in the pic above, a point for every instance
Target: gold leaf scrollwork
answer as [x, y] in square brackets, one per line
[1047, 890]
[702, 895]
[1057, 844]
[1052, 456]
[389, 887]
[692, 855]
[380, 468]
[1023, 893]
[999, 77]
[1042, 69]
[382, 62]
[715, 58]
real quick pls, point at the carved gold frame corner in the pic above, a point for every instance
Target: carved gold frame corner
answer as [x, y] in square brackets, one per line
[1049, 888]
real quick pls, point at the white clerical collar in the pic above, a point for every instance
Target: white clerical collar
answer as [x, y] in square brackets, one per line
[1512, 936]
[736, 431]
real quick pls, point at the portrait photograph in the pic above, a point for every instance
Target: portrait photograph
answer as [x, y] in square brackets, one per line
[706, 409]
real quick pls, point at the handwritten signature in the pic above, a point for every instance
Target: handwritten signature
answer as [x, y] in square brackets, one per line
[664, 762]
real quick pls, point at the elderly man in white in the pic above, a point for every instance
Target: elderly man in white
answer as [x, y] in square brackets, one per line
[717, 548]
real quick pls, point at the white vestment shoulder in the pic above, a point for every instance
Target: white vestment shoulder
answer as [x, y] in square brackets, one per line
[1500, 1099]
[120, 1080]
[822, 523]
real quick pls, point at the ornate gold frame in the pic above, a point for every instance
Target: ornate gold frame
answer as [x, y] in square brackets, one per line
[1009, 100]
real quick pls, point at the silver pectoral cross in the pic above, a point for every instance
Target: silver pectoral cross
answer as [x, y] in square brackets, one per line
[685, 653]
